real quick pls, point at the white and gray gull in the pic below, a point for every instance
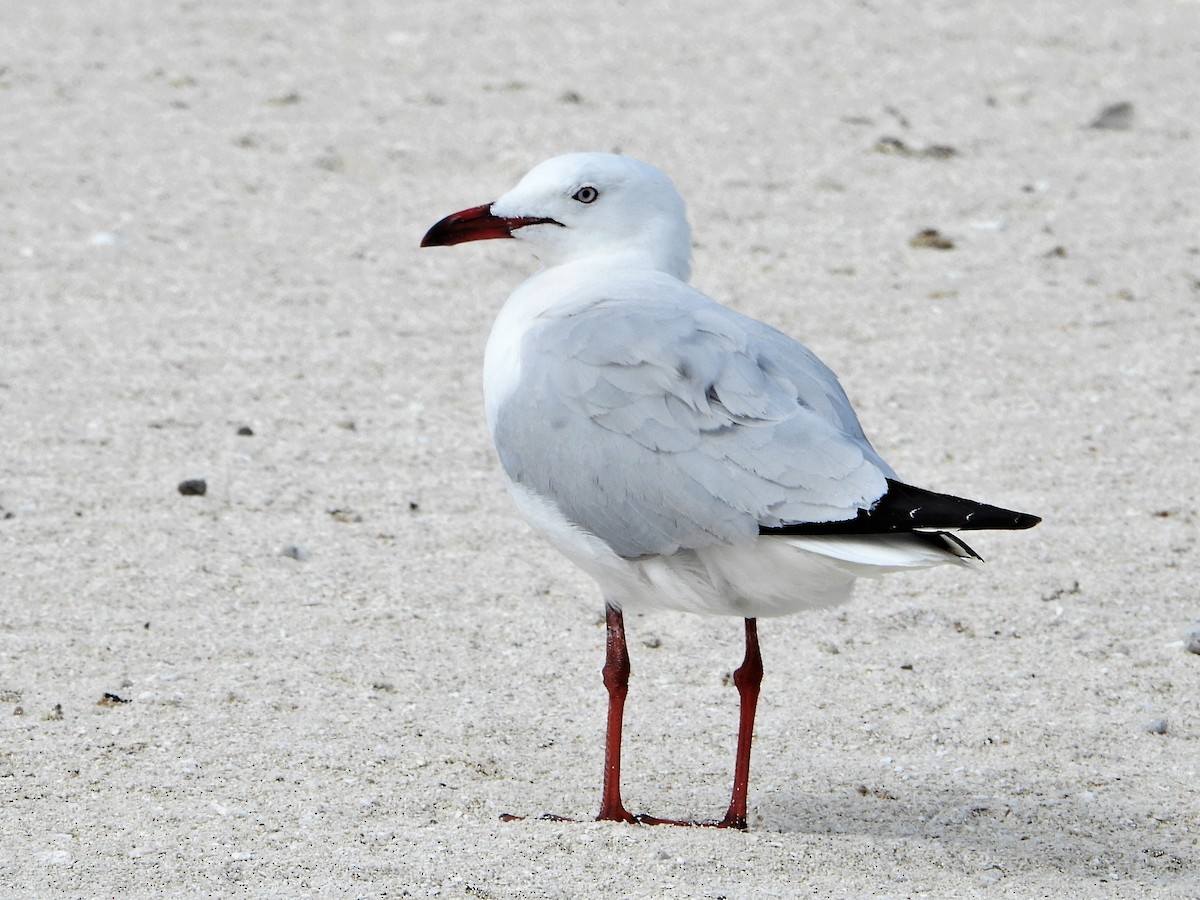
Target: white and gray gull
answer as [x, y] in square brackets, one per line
[685, 456]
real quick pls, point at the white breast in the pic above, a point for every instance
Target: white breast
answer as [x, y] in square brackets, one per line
[560, 290]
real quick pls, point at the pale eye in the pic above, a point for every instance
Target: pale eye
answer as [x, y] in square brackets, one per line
[586, 194]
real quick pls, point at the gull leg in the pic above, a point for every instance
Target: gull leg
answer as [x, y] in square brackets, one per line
[616, 680]
[747, 679]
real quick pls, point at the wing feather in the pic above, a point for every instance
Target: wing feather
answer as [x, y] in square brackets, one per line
[657, 420]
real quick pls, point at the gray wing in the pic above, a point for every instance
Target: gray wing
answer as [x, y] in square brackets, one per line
[673, 422]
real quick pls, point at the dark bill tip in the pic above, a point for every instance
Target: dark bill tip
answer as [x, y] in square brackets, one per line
[476, 224]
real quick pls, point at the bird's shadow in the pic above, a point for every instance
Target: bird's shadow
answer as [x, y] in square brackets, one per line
[1043, 830]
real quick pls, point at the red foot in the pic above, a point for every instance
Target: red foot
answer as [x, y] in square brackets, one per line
[734, 822]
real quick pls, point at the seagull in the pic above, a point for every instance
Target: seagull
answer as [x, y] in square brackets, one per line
[683, 455]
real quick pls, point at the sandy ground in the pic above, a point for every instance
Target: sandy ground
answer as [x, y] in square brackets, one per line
[210, 221]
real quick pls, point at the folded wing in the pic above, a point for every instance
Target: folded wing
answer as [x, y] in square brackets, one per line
[659, 420]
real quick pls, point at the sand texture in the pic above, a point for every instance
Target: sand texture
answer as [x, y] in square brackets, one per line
[331, 673]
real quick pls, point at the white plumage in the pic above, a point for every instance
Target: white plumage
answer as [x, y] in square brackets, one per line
[685, 456]
[664, 424]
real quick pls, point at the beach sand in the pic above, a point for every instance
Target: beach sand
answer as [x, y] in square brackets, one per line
[331, 673]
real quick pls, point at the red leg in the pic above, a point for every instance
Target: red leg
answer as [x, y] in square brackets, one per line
[616, 680]
[747, 679]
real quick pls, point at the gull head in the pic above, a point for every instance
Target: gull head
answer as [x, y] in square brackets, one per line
[584, 206]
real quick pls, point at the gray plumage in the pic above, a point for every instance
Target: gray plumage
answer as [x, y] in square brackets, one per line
[658, 420]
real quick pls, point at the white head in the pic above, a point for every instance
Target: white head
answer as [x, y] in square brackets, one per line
[584, 206]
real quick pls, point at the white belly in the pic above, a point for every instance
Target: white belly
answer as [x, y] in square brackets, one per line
[772, 576]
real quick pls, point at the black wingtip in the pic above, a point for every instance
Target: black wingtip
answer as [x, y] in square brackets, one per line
[906, 508]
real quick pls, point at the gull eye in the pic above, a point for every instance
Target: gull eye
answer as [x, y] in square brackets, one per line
[586, 194]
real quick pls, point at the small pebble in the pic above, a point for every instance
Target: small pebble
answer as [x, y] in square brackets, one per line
[193, 487]
[295, 551]
[930, 239]
[291, 97]
[1115, 117]
[1157, 726]
[245, 431]
[1191, 638]
[895, 147]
